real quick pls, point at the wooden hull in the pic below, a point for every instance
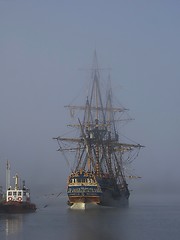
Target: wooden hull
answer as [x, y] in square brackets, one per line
[86, 188]
[119, 200]
[83, 199]
[105, 199]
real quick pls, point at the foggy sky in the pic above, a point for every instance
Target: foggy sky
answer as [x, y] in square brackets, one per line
[43, 46]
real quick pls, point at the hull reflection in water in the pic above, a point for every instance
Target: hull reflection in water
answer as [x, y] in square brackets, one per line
[13, 224]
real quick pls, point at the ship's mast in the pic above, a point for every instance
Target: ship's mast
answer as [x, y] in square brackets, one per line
[7, 175]
[98, 146]
[16, 181]
[99, 117]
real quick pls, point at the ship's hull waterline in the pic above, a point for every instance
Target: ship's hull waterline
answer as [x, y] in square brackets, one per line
[84, 206]
[106, 200]
[16, 207]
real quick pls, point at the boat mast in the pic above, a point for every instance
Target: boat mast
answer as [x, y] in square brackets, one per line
[16, 182]
[7, 175]
[99, 118]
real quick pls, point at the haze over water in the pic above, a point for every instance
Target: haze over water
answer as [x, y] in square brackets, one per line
[147, 217]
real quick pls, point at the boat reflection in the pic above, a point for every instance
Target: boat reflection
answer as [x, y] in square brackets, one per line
[13, 224]
[98, 224]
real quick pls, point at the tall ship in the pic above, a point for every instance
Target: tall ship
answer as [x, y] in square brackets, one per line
[17, 198]
[100, 156]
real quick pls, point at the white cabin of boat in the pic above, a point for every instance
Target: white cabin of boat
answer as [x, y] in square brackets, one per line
[17, 194]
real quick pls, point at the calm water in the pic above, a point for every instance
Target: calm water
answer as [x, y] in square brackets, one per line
[146, 218]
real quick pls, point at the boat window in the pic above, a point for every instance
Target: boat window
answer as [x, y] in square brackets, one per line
[14, 193]
[9, 193]
[19, 194]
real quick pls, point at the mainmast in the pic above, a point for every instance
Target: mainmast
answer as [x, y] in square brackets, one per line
[98, 120]
[95, 98]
